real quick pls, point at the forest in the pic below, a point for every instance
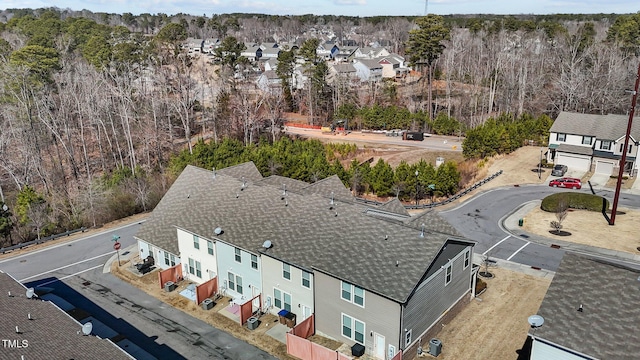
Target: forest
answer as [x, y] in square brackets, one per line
[96, 108]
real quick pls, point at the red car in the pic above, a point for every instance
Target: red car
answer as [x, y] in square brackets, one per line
[570, 183]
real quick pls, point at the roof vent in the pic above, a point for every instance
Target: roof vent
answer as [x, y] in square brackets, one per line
[218, 231]
[18, 330]
[580, 308]
[10, 294]
[284, 191]
[29, 316]
[286, 202]
[386, 237]
[244, 184]
[267, 244]
[214, 172]
[30, 293]
[397, 263]
[422, 231]
[332, 202]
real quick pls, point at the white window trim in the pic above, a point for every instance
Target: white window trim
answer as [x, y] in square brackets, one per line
[353, 328]
[407, 338]
[256, 262]
[282, 302]
[585, 137]
[303, 279]
[288, 271]
[466, 259]
[196, 242]
[602, 147]
[191, 265]
[352, 294]
[235, 255]
[564, 137]
[198, 268]
[448, 268]
[212, 248]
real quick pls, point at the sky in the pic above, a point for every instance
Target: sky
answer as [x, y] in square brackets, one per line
[337, 7]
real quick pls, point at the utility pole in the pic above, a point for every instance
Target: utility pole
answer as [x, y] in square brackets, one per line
[623, 159]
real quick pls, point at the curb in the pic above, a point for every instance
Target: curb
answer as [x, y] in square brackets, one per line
[107, 265]
[509, 223]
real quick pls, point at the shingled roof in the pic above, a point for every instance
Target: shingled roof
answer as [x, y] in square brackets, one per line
[607, 327]
[605, 127]
[305, 230]
[50, 334]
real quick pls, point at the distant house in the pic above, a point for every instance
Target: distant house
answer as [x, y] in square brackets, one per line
[345, 53]
[345, 74]
[32, 328]
[370, 52]
[590, 311]
[271, 64]
[253, 52]
[587, 142]
[327, 51]
[373, 276]
[368, 70]
[268, 80]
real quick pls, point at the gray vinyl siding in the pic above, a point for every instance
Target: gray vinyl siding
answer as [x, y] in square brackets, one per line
[543, 351]
[379, 314]
[449, 251]
[433, 298]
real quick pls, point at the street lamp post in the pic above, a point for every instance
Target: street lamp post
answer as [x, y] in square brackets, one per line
[623, 158]
[540, 166]
[417, 173]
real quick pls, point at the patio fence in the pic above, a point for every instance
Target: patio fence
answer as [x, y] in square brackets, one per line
[171, 274]
[246, 309]
[206, 290]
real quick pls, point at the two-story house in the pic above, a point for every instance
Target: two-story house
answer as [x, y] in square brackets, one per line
[373, 276]
[368, 70]
[587, 142]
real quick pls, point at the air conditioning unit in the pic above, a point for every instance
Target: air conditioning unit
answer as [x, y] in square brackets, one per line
[169, 286]
[253, 323]
[435, 347]
[207, 304]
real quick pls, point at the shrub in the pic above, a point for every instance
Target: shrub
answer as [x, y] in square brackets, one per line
[574, 201]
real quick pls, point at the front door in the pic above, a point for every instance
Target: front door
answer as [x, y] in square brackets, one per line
[378, 346]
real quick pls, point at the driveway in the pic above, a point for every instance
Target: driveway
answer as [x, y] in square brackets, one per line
[599, 179]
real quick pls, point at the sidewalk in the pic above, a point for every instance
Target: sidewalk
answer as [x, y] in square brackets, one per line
[511, 224]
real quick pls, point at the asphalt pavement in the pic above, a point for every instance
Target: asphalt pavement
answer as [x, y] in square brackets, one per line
[144, 326]
[491, 219]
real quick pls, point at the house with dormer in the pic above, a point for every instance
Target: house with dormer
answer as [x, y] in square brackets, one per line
[371, 275]
[586, 142]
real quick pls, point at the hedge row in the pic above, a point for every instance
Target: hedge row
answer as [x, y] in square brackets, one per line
[574, 200]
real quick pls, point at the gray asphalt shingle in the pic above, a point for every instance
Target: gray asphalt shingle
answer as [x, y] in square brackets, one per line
[607, 328]
[305, 230]
[606, 127]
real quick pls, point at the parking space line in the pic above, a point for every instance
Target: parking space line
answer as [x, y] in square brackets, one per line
[72, 275]
[517, 251]
[66, 266]
[496, 244]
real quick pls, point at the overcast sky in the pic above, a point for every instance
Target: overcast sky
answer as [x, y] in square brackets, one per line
[337, 7]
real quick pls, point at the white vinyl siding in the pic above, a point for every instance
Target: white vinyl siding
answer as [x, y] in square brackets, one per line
[282, 300]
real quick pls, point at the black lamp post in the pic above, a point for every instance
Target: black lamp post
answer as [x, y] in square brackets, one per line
[417, 173]
[540, 166]
[623, 159]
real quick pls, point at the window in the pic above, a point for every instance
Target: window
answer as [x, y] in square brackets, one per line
[407, 338]
[447, 275]
[238, 255]
[166, 258]
[282, 300]
[630, 147]
[306, 279]
[466, 259]
[286, 271]
[346, 291]
[352, 293]
[561, 137]
[235, 282]
[196, 242]
[353, 329]
[254, 261]
[358, 295]
[198, 269]
[605, 145]
[192, 269]
[621, 146]
[210, 247]
[586, 140]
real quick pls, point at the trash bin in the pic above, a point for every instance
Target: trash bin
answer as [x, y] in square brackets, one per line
[435, 347]
[281, 315]
[520, 222]
[290, 319]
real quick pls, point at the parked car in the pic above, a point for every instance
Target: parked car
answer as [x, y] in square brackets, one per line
[559, 170]
[570, 183]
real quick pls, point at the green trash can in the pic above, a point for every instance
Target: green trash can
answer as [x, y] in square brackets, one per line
[520, 222]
